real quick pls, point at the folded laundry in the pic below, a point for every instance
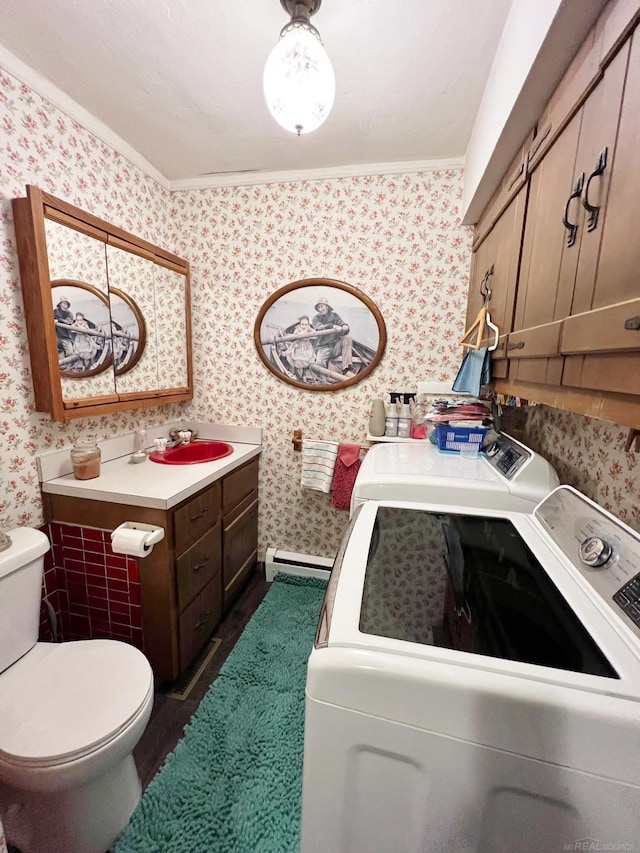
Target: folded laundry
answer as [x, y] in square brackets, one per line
[318, 463]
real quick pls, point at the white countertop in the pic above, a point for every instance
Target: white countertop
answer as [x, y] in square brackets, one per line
[151, 484]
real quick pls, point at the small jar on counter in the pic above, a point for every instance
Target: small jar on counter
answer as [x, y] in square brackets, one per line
[85, 458]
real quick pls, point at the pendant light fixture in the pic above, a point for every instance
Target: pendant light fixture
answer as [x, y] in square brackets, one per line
[299, 83]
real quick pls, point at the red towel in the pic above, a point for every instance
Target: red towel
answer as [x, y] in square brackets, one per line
[344, 475]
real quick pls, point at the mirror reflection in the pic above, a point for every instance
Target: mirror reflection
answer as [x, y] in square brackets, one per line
[82, 319]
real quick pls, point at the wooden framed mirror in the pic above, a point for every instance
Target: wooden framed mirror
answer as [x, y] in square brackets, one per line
[119, 278]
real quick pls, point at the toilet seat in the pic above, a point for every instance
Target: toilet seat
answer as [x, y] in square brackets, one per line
[60, 702]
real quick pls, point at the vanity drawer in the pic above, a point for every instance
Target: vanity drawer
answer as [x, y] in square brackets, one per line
[199, 620]
[196, 567]
[195, 518]
[238, 485]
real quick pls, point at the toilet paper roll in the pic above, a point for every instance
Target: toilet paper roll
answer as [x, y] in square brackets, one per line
[127, 540]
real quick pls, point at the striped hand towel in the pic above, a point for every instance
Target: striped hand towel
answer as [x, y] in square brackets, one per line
[318, 462]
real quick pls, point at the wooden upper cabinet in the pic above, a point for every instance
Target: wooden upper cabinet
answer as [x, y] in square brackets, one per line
[601, 338]
[494, 273]
[569, 215]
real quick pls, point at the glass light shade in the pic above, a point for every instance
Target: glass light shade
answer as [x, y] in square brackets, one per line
[299, 83]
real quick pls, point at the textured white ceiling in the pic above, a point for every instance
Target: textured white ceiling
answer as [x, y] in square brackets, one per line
[181, 80]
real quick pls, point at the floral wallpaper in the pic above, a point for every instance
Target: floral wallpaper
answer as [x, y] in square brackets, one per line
[396, 238]
[40, 145]
[587, 453]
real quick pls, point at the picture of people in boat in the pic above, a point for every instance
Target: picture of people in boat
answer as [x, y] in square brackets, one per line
[320, 335]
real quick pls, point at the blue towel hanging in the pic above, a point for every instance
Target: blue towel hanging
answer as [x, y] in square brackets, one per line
[474, 372]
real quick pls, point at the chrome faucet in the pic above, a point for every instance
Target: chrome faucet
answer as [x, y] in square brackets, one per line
[182, 436]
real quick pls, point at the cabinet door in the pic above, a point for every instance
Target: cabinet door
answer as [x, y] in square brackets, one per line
[534, 351]
[495, 271]
[601, 340]
[239, 546]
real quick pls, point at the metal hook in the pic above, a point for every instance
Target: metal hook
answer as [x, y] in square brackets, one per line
[485, 290]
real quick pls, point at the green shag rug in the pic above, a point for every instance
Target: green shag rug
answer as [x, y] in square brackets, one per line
[233, 784]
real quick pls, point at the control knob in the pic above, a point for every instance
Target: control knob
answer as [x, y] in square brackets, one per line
[595, 551]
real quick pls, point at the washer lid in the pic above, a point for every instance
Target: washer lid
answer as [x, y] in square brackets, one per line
[62, 700]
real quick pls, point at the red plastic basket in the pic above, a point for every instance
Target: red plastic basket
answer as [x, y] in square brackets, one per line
[451, 439]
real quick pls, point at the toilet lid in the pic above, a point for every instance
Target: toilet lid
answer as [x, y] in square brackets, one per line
[63, 700]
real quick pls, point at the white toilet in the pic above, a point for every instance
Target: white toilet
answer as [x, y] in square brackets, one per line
[70, 716]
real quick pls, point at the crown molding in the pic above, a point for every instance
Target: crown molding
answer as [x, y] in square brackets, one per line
[19, 69]
[243, 179]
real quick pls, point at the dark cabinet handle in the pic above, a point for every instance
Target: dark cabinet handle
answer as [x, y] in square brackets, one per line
[485, 290]
[632, 324]
[571, 228]
[203, 619]
[201, 564]
[594, 209]
[199, 514]
[519, 345]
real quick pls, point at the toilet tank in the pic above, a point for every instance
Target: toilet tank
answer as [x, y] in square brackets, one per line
[21, 570]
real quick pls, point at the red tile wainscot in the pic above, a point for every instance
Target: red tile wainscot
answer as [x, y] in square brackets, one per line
[95, 593]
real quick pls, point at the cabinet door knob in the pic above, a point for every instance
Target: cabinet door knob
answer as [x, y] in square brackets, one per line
[519, 345]
[201, 564]
[570, 226]
[594, 209]
[199, 515]
[203, 619]
[632, 324]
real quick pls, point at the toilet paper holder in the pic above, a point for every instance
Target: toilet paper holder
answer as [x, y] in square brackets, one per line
[152, 534]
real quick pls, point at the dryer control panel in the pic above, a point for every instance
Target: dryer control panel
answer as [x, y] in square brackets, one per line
[506, 456]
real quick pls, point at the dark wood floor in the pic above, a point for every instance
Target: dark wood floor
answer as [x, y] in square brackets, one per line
[169, 716]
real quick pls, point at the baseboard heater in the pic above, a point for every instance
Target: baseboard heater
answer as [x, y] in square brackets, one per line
[303, 565]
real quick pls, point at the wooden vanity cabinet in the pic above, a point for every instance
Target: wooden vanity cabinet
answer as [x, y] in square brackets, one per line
[239, 529]
[197, 569]
[191, 577]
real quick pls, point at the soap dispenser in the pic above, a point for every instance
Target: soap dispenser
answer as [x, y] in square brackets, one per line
[141, 439]
[404, 421]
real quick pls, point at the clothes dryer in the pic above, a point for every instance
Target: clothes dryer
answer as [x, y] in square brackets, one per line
[506, 475]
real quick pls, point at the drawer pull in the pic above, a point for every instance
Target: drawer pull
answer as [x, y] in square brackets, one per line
[201, 564]
[519, 345]
[571, 228]
[632, 324]
[199, 514]
[203, 619]
[594, 209]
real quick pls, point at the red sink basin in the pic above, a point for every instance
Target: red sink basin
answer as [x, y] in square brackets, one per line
[192, 453]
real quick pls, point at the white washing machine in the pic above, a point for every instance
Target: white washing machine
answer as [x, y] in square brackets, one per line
[475, 683]
[507, 475]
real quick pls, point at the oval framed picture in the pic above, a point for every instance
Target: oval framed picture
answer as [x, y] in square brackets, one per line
[82, 322]
[320, 334]
[128, 331]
